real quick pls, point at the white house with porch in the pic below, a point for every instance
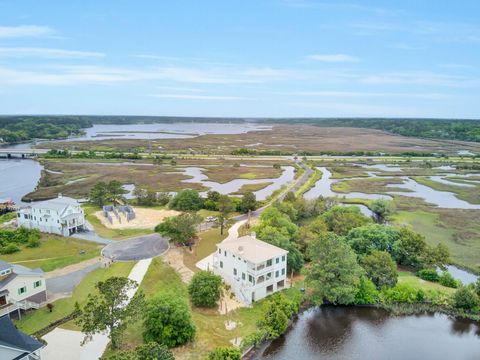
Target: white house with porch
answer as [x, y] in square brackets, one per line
[253, 268]
[62, 216]
[21, 288]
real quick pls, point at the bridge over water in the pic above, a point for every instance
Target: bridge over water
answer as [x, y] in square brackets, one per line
[21, 153]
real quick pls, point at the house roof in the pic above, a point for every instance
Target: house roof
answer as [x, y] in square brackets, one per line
[252, 249]
[57, 204]
[13, 338]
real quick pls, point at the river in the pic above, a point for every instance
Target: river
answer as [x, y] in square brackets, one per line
[351, 333]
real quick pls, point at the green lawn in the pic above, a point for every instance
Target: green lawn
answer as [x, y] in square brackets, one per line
[415, 281]
[211, 332]
[54, 252]
[38, 319]
[206, 246]
[114, 234]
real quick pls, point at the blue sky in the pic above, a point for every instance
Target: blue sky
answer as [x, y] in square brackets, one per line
[263, 58]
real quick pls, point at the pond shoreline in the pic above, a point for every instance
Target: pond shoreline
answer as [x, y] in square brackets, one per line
[257, 353]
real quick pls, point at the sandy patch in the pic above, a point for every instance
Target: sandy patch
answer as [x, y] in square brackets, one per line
[174, 258]
[144, 219]
[228, 303]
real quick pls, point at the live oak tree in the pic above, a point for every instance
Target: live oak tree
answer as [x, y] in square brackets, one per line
[180, 229]
[187, 200]
[341, 219]
[103, 193]
[333, 272]
[248, 203]
[205, 289]
[168, 321]
[107, 311]
[380, 268]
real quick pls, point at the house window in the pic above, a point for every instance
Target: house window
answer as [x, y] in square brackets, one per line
[277, 273]
[283, 271]
[250, 279]
[225, 253]
[37, 284]
[235, 272]
[221, 264]
[283, 258]
[277, 260]
[22, 290]
[25, 216]
[219, 251]
[243, 276]
[269, 262]
[233, 256]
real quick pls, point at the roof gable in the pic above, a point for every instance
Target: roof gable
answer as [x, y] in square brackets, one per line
[11, 336]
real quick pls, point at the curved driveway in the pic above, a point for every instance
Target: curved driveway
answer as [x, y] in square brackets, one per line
[138, 248]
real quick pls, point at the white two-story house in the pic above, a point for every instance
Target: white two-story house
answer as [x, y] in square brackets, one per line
[62, 216]
[21, 288]
[253, 268]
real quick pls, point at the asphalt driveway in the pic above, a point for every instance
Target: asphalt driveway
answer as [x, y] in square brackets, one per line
[138, 248]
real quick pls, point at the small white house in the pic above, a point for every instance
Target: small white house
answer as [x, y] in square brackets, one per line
[62, 216]
[253, 268]
[20, 288]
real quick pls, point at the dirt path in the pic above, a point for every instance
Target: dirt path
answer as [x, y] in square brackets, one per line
[72, 268]
[174, 257]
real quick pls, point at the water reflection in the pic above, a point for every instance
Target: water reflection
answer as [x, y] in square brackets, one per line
[349, 333]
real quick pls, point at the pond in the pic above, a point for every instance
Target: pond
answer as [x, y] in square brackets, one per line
[180, 130]
[351, 333]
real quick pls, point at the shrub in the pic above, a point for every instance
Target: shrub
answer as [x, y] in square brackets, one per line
[205, 289]
[225, 353]
[9, 249]
[401, 293]
[446, 279]
[33, 243]
[428, 274]
[465, 299]
[168, 321]
[367, 293]
[277, 311]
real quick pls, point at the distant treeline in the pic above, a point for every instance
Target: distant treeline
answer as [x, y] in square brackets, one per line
[21, 128]
[465, 130]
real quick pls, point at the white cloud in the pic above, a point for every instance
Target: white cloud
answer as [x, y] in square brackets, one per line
[197, 97]
[46, 53]
[333, 58]
[25, 31]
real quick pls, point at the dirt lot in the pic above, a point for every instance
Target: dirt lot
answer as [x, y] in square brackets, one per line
[144, 219]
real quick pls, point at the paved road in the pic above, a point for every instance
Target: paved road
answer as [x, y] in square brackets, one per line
[65, 284]
[138, 248]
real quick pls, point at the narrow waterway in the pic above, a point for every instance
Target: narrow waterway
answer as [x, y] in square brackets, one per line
[355, 333]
